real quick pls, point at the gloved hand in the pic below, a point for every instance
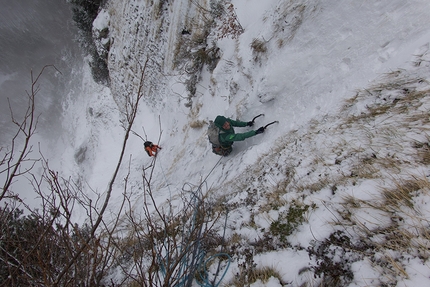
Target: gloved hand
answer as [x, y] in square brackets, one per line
[259, 131]
[250, 124]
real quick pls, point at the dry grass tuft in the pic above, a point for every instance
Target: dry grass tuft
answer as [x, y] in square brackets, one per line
[263, 274]
[400, 194]
[198, 124]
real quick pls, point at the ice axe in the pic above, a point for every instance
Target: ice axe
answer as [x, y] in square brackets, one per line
[274, 122]
[253, 120]
[261, 130]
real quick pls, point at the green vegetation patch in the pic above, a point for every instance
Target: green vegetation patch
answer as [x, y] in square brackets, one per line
[288, 222]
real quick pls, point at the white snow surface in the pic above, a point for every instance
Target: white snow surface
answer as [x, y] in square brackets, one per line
[319, 53]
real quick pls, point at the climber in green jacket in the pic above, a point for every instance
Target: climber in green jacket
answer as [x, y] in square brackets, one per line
[227, 135]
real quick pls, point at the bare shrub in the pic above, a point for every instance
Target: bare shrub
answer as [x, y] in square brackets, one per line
[229, 25]
[168, 246]
[43, 246]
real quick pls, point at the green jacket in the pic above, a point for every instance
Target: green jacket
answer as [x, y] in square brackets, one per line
[227, 137]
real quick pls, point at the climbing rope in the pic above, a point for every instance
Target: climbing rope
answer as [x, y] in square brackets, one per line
[204, 280]
[193, 254]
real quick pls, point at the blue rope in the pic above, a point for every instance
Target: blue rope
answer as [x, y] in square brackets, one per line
[193, 260]
[215, 283]
[205, 280]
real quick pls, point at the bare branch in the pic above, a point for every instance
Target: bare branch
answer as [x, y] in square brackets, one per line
[14, 159]
[130, 119]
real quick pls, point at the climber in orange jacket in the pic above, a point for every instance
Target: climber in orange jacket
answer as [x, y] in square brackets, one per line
[151, 149]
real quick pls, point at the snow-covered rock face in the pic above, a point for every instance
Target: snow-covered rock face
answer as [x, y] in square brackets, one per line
[139, 32]
[101, 33]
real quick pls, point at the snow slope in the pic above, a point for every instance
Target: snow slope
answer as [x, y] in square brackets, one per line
[318, 54]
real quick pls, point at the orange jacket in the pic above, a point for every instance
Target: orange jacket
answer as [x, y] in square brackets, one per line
[151, 149]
